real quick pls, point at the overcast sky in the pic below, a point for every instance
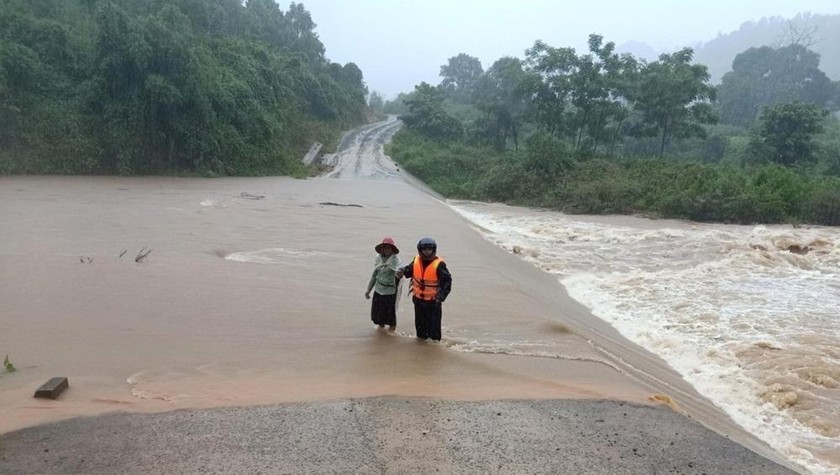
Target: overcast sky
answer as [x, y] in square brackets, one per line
[399, 43]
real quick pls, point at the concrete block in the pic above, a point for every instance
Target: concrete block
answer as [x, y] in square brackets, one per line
[52, 388]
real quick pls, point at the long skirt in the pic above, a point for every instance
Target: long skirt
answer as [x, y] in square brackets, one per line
[383, 309]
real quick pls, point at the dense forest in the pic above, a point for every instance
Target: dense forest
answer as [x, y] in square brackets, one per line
[603, 132]
[167, 86]
[225, 87]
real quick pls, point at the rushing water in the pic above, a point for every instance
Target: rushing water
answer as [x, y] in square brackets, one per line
[747, 314]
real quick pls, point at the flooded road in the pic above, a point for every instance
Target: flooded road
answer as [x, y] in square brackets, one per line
[253, 294]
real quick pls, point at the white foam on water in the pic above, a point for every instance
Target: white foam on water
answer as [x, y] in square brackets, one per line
[212, 204]
[746, 314]
[274, 255]
[539, 349]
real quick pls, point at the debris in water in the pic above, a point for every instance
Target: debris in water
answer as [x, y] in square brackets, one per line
[249, 196]
[330, 203]
[142, 255]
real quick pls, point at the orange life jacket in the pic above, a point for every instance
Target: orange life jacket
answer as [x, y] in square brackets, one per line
[424, 280]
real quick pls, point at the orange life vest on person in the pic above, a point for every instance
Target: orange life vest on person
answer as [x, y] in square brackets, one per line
[424, 280]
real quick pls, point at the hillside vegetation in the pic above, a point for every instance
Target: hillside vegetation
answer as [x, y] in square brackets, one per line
[167, 86]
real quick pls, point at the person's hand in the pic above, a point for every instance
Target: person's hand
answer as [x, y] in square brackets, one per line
[399, 273]
[438, 301]
[367, 295]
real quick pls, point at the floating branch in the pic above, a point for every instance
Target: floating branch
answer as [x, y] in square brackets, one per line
[330, 203]
[142, 255]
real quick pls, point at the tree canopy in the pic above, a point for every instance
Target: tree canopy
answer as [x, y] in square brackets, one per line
[460, 74]
[151, 86]
[818, 33]
[593, 100]
[674, 98]
[427, 115]
[786, 133]
[577, 131]
[765, 76]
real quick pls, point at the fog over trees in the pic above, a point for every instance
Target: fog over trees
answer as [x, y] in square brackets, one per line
[158, 86]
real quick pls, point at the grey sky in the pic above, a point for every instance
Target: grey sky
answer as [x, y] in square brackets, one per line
[399, 43]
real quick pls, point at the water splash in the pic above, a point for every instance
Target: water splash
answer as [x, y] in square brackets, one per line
[747, 314]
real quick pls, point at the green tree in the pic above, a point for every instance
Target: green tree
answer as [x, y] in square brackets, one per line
[765, 76]
[583, 98]
[545, 156]
[152, 86]
[427, 116]
[600, 92]
[550, 84]
[301, 36]
[397, 105]
[460, 74]
[501, 95]
[673, 97]
[376, 103]
[786, 134]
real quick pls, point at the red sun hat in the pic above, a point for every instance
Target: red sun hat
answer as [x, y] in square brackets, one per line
[387, 242]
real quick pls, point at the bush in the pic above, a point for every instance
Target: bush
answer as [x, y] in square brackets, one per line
[658, 187]
[823, 204]
[598, 186]
[508, 181]
[546, 156]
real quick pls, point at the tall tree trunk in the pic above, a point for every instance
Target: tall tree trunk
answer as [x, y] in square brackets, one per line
[580, 126]
[662, 145]
[615, 138]
[515, 136]
[598, 128]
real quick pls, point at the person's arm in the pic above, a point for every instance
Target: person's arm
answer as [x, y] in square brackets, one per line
[444, 282]
[406, 271]
[371, 282]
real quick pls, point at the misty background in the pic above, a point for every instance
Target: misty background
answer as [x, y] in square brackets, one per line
[399, 44]
[585, 108]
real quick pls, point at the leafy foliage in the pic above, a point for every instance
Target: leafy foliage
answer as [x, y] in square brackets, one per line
[817, 32]
[786, 134]
[585, 98]
[460, 75]
[597, 98]
[500, 94]
[121, 86]
[673, 96]
[591, 123]
[766, 76]
[654, 187]
[376, 104]
[427, 115]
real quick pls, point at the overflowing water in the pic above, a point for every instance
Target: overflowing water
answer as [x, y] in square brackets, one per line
[254, 295]
[747, 314]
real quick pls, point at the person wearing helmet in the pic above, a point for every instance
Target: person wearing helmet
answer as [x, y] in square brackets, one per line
[431, 283]
[383, 282]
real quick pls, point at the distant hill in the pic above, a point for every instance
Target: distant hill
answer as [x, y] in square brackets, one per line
[639, 49]
[823, 31]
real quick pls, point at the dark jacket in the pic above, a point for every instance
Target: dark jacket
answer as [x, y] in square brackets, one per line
[443, 275]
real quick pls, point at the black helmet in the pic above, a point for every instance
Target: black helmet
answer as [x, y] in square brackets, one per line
[426, 242]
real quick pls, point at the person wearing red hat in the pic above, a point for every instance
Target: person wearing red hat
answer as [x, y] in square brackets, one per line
[383, 282]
